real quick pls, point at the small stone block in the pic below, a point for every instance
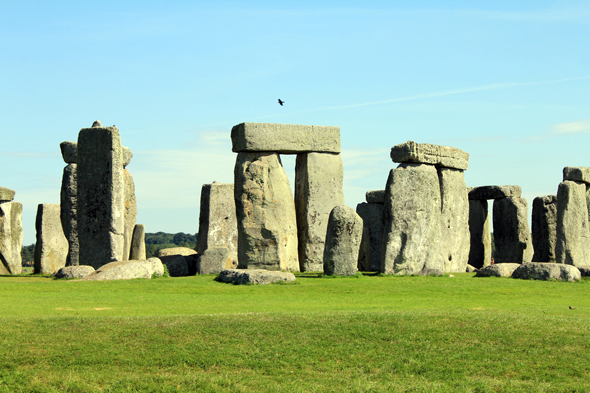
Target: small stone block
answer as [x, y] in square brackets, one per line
[577, 173]
[6, 195]
[254, 276]
[69, 152]
[426, 153]
[377, 196]
[127, 155]
[494, 192]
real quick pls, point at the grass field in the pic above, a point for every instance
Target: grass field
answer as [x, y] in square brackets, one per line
[367, 334]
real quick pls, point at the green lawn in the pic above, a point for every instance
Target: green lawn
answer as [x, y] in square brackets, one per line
[368, 334]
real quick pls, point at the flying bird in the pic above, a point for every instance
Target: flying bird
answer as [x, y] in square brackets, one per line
[281, 102]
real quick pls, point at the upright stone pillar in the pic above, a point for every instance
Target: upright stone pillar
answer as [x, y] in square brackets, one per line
[218, 226]
[138, 243]
[572, 227]
[343, 238]
[101, 196]
[372, 214]
[51, 248]
[267, 227]
[512, 236]
[11, 233]
[130, 213]
[544, 226]
[69, 201]
[480, 251]
[318, 189]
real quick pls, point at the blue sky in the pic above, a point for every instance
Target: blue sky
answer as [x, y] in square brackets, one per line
[506, 81]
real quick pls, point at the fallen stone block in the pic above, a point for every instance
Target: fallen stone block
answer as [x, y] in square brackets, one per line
[69, 152]
[375, 196]
[6, 194]
[471, 269]
[494, 192]
[577, 173]
[254, 276]
[498, 270]
[176, 264]
[343, 240]
[80, 271]
[547, 271]
[584, 270]
[544, 227]
[426, 153]
[175, 251]
[51, 248]
[285, 138]
[214, 260]
[127, 270]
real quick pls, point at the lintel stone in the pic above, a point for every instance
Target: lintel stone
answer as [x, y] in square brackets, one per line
[426, 153]
[494, 192]
[376, 196]
[6, 194]
[577, 173]
[285, 138]
[69, 152]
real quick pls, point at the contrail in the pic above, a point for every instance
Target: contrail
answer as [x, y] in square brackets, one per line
[493, 86]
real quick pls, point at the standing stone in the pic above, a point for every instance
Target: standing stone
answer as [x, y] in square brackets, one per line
[343, 239]
[130, 212]
[101, 196]
[51, 248]
[267, 226]
[11, 233]
[218, 226]
[544, 226]
[411, 235]
[69, 212]
[573, 234]
[370, 251]
[480, 250]
[318, 189]
[138, 243]
[512, 236]
[214, 260]
[455, 219]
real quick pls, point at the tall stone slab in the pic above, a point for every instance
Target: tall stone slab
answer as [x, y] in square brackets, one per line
[544, 226]
[318, 189]
[218, 225]
[480, 250]
[343, 239]
[454, 219]
[69, 211]
[101, 196]
[267, 227]
[572, 227]
[11, 233]
[138, 252]
[130, 212]
[512, 236]
[370, 250]
[51, 248]
[412, 238]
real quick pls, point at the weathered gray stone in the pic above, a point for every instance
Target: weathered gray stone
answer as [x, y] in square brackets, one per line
[454, 219]
[165, 252]
[494, 192]
[101, 196]
[318, 189]
[425, 153]
[471, 269]
[126, 270]
[285, 138]
[130, 212]
[69, 152]
[498, 270]
[51, 248]
[573, 234]
[96, 123]
[176, 264]
[138, 243]
[370, 249]
[480, 250]
[376, 196]
[547, 271]
[267, 227]
[80, 271]
[584, 270]
[412, 242]
[343, 240]
[254, 276]
[218, 225]
[512, 236]
[544, 226]
[127, 156]
[214, 260]
[11, 237]
[69, 212]
[6, 195]
[577, 173]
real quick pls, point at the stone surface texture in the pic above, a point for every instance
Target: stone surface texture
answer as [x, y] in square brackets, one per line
[375, 196]
[343, 240]
[137, 251]
[176, 264]
[11, 237]
[471, 269]
[573, 232]
[69, 212]
[547, 271]
[577, 173]
[454, 219]
[544, 227]
[51, 248]
[127, 156]
[218, 225]
[130, 212]
[6, 194]
[480, 250]
[214, 260]
[425, 153]
[512, 236]
[101, 196]
[584, 270]
[69, 152]
[318, 189]
[254, 276]
[267, 227]
[176, 251]
[80, 271]
[412, 221]
[494, 192]
[285, 138]
[370, 249]
[498, 270]
[126, 270]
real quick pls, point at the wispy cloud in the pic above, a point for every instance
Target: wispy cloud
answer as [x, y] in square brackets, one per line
[563, 129]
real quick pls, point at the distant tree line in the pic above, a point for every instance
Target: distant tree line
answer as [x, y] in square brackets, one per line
[154, 242]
